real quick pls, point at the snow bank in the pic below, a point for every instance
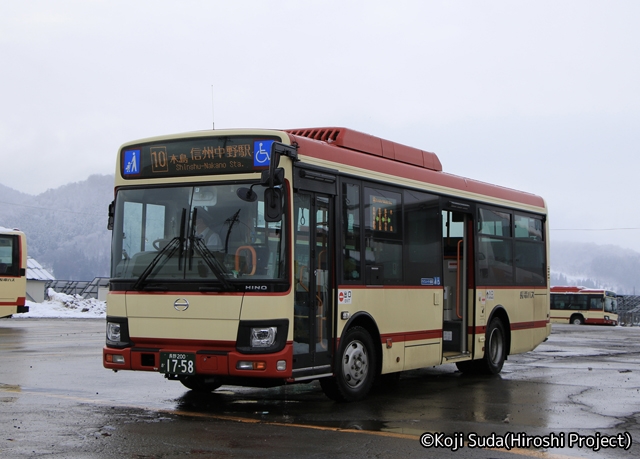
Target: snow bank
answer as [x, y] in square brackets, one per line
[61, 305]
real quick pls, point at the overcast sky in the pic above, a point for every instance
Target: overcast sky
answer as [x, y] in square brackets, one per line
[541, 96]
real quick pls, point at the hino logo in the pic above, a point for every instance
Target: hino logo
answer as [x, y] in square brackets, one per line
[262, 288]
[181, 304]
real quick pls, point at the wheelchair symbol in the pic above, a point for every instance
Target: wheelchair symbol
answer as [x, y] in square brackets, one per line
[262, 153]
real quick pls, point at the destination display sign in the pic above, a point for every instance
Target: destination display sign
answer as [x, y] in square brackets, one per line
[197, 156]
[382, 215]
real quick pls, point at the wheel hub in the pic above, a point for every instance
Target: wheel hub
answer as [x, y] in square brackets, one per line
[355, 364]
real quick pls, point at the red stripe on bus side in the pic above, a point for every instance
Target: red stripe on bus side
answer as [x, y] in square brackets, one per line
[438, 287]
[482, 329]
[512, 287]
[597, 321]
[390, 287]
[529, 325]
[411, 336]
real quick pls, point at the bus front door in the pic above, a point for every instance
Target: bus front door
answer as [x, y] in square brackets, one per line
[312, 278]
[457, 279]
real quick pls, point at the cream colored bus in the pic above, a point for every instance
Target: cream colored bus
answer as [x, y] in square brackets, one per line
[580, 305]
[13, 272]
[265, 257]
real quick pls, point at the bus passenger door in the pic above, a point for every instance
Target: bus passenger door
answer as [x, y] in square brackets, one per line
[313, 271]
[457, 278]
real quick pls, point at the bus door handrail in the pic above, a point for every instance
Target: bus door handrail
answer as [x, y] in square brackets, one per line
[458, 289]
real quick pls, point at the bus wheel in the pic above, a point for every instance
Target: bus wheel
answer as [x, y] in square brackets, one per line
[200, 383]
[355, 370]
[495, 347]
[577, 320]
[494, 352]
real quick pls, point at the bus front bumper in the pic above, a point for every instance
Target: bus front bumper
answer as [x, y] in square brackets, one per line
[206, 362]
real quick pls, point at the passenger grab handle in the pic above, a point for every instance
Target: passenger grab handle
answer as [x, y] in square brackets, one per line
[254, 258]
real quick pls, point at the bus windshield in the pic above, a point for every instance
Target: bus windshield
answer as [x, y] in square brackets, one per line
[204, 234]
[9, 255]
[610, 304]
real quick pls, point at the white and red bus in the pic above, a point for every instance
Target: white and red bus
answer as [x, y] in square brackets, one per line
[580, 305]
[13, 272]
[338, 256]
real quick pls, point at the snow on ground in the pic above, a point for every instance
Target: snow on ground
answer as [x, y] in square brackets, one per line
[61, 305]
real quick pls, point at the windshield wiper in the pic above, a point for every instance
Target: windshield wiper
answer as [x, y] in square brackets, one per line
[212, 262]
[168, 250]
[231, 221]
[177, 243]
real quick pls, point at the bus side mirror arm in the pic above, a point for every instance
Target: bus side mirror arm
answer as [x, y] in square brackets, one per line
[273, 178]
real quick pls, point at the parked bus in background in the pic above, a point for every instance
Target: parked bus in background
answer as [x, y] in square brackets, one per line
[580, 305]
[13, 272]
[265, 257]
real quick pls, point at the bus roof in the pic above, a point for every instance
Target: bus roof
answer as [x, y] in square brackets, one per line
[574, 289]
[365, 143]
[10, 231]
[364, 151]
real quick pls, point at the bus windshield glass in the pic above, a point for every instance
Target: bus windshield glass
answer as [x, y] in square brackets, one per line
[195, 234]
[9, 255]
[610, 304]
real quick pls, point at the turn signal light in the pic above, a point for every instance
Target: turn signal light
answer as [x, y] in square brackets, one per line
[114, 358]
[248, 365]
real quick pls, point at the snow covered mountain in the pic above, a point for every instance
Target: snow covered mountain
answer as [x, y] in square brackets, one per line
[66, 227]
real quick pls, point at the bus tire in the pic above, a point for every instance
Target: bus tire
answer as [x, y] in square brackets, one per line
[495, 352]
[495, 349]
[203, 384]
[355, 369]
[577, 320]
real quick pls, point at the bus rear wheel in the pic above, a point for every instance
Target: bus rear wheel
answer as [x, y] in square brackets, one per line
[200, 383]
[355, 370]
[577, 320]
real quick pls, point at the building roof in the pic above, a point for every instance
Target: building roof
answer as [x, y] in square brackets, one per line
[35, 271]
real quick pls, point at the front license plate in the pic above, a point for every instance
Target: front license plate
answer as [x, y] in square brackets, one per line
[177, 363]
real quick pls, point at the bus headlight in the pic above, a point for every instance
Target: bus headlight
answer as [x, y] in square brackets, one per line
[118, 332]
[263, 336]
[113, 331]
[606, 317]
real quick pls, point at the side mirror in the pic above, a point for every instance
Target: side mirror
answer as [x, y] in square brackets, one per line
[272, 205]
[111, 215]
[274, 177]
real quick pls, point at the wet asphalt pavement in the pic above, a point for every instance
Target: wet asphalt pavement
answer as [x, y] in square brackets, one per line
[56, 400]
